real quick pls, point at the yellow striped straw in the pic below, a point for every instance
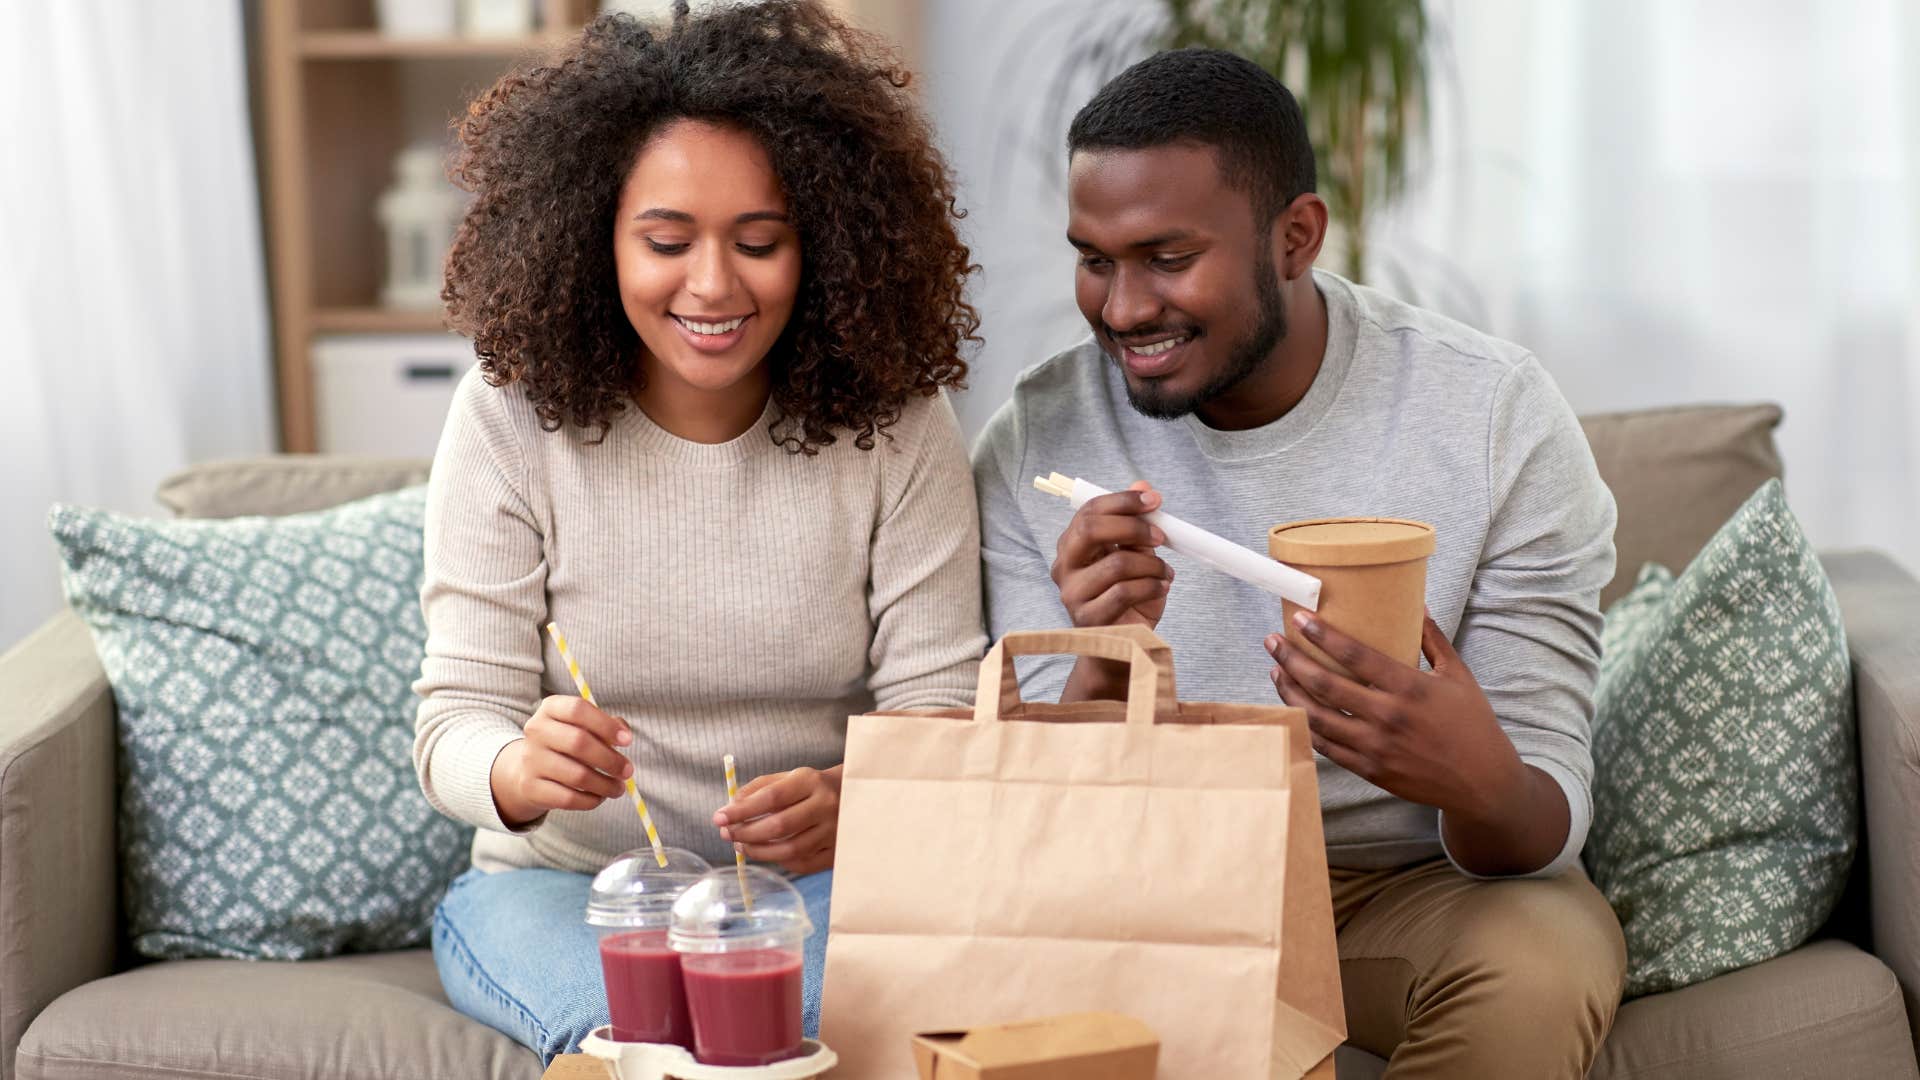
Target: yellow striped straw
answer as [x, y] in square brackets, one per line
[580, 681]
[739, 857]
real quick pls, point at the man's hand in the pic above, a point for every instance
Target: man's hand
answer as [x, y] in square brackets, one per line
[791, 819]
[1429, 738]
[567, 761]
[1108, 574]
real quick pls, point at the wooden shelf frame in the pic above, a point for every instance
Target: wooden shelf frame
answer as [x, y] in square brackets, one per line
[373, 45]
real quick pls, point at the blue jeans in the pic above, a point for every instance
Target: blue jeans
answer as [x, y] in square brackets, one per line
[515, 953]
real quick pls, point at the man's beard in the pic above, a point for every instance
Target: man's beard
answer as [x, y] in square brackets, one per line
[1148, 399]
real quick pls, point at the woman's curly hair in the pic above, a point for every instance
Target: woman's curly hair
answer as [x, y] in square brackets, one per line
[880, 315]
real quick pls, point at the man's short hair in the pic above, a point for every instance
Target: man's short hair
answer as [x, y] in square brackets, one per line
[1213, 98]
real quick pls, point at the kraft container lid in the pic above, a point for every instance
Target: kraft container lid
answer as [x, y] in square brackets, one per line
[1350, 541]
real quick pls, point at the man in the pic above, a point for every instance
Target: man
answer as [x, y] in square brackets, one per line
[1251, 389]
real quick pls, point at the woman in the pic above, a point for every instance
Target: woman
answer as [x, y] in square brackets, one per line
[713, 280]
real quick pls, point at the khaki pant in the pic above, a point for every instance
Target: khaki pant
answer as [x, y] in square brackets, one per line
[1446, 976]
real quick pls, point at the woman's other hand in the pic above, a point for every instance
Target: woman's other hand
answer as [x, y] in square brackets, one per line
[790, 819]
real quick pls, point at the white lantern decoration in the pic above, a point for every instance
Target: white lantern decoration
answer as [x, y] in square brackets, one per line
[496, 18]
[416, 18]
[660, 11]
[420, 213]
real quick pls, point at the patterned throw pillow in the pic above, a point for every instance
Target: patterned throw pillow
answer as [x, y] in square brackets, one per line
[1725, 775]
[262, 668]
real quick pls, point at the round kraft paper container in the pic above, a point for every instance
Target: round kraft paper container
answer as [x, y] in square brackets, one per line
[1373, 580]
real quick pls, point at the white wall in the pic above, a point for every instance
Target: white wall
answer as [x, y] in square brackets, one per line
[990, 68]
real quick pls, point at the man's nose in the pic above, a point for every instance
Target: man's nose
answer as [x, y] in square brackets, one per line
[1131, 304]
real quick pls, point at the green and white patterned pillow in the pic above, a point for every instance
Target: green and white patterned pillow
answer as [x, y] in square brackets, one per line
[263, 670]
[1725, 774]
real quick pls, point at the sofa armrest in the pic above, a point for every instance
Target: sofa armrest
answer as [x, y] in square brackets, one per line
[1880, 602]
[58, 884]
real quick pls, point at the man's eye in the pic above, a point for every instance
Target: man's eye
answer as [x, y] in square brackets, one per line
[1172, 262]
[667, 249]
[1094, 262]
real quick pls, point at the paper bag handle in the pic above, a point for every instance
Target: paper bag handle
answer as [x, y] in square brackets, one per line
[1150, 691]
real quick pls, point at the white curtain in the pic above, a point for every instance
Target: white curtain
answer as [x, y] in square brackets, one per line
[1706, 200]
[1669, 201]
[132, 283]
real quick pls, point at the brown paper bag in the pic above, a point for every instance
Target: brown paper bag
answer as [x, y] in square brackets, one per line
[1155, 858]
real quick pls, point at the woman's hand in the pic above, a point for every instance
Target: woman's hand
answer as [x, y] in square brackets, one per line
[566, 762]
[790, 819]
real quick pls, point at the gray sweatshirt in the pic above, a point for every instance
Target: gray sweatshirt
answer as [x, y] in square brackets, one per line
[1411, 416]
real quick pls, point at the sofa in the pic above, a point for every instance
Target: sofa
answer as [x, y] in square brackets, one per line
[74, 1003]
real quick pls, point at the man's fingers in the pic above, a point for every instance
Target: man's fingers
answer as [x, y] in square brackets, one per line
[1328, 725]
[1108, 608]
[1327, 686]
[1138, 498]
[1439, 652]
[1111, 569]
[1091, 535]
[1347, 758]
[1368, 664]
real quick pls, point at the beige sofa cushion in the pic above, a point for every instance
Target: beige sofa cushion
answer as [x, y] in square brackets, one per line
[362, 1016]
[1678, 475]
[1826, 1010]
[286, 484]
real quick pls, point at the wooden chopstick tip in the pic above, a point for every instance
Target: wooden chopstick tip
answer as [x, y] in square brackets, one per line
[1055, 484]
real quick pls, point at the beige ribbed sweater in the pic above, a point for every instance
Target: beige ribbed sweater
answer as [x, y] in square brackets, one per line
[729, 598]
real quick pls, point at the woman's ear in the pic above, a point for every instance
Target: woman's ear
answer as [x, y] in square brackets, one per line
[1298, 233]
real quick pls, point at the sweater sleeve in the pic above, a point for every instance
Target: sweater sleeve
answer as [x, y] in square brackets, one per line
[1531, 629]
[1017, 565]
[924, 586]
[484, 598]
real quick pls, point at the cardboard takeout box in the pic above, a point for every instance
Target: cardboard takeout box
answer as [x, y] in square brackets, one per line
[1078, 1046]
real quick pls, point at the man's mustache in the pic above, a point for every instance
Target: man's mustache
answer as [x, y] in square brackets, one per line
[1150, 334]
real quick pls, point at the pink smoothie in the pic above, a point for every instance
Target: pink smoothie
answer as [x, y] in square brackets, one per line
[644, 991]
[745, 1005]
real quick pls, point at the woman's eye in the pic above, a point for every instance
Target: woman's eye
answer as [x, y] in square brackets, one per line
[666, 249]
[757, 250]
